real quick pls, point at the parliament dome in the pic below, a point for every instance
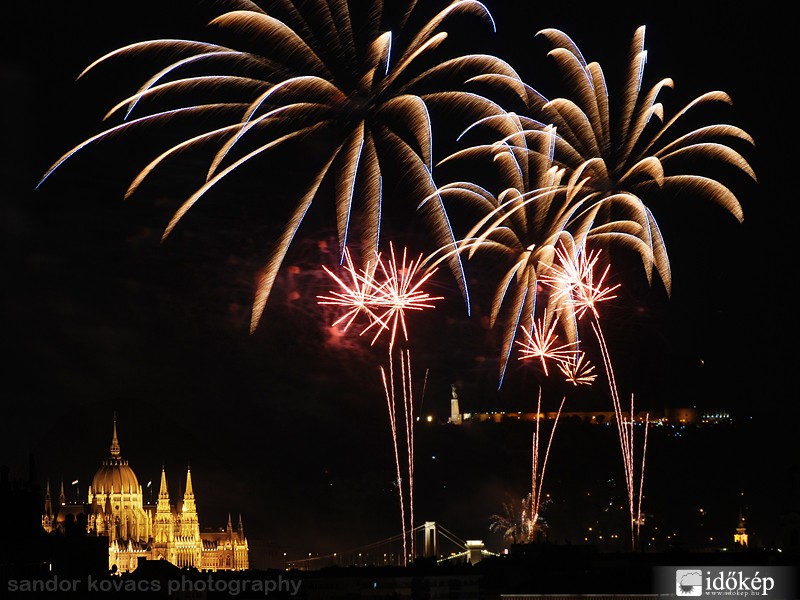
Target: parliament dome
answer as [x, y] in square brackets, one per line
[115, 475]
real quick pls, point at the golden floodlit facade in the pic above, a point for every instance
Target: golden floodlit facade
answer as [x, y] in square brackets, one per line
[169, 531]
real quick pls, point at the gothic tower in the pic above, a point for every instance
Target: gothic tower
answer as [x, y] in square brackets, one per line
[164, 524]
[189, 544]
[740, 537]
[47, 518]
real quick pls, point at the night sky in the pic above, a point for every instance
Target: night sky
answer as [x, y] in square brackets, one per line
[288, 425]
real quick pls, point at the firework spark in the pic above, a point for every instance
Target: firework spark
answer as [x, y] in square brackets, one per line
[356, 296]
[573, 278]
[515, 523]
[578, 370]
[382, 291]
[542, 344]
[400, 291]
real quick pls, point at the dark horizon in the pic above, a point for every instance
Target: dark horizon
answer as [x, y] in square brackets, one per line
[584, 474]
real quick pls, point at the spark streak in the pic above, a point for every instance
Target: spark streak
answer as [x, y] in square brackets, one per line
[538, 476]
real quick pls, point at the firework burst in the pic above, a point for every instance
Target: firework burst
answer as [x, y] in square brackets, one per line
[575, 168]
[382, 293]
[521, 226]
[355, 85]
[626, 155]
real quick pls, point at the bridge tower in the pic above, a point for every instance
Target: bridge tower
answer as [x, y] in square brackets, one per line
[431, 541]
[474, 551]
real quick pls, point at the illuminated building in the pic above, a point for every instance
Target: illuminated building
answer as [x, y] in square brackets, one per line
[740, 537]
[135, 530]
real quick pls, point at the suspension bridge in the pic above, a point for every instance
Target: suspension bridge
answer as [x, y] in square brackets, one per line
[430, 541]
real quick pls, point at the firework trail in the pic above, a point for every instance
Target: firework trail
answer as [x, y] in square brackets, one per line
[399, 292]
[624, 429]
[389, 390]
[382, 293]
[408, 416]
[525, 525]
[408, 406]
[537, 477]
[641, 473]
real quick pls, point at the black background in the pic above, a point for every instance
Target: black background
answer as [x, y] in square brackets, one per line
[288, 425]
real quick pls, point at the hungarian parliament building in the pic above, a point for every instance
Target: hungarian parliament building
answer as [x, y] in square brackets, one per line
[135, 530]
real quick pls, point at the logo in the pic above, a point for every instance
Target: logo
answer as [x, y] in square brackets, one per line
[731, 582]
[688, 582]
